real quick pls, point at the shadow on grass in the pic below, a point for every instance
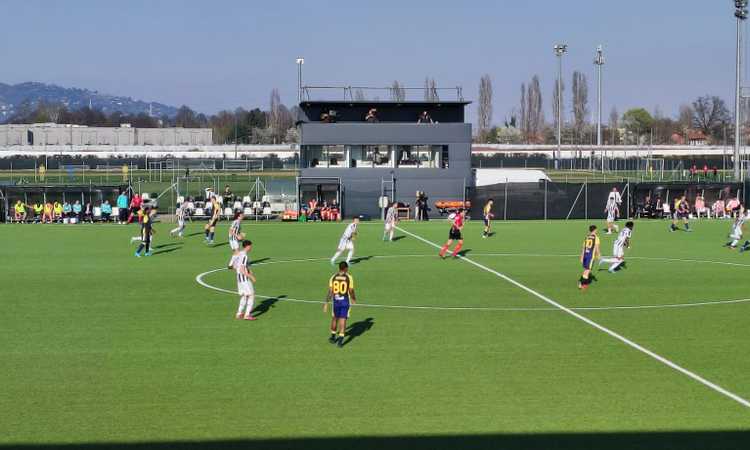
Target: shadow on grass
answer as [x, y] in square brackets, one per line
[195, 234]
[357, 329]
[264, 306]
[220, 244]
[173, 244]
[259, 261]
[675, 440]
[398, 238]
[168, 250]
[464, 252]
[360, 259]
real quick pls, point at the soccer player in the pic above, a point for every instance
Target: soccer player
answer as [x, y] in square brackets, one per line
[611, 209]
[347, 242]
[589, 254]
[341, 292]
[737, 230]
[391, 219]
[454, 234]
[681, 211]
[235, 234]
[210, 228]
[487, 211]
[622, 242]
[245, 281]
[181, 212]
[147, 231]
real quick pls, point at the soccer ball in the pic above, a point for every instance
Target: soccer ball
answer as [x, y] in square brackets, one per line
[451, 216]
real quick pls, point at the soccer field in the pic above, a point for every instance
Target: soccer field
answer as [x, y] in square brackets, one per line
[496, 350]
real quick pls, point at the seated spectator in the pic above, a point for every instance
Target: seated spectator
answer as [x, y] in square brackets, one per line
[58, 211]
[106, 211]
[372, 116]
[700, 207]
[424, 118]
[88, 213]
[38, 211]
[733, 206]
[20, 211]
[67, 210]
[325, 118]
[228, 193]
[718, 209]
[77, 210]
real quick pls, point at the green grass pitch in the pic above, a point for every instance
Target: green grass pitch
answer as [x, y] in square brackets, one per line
[100, 347]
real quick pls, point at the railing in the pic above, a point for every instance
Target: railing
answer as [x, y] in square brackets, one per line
[392, 93]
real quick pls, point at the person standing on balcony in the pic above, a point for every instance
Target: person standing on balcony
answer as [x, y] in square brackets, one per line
[372, 116]
[425, 118]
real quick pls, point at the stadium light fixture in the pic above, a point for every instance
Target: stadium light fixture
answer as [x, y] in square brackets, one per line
[741, 13]
[300, 62]
[560, 50]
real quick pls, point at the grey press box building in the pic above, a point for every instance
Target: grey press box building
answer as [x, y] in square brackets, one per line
[348, 155]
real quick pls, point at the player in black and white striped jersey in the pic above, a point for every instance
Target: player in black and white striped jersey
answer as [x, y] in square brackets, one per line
[347, 242]
[180, 214]
[245, 281]
[622, 242]
[235, 231]
[391, 219]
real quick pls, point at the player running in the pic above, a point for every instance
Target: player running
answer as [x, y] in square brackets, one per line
[180, 213]
[235, 233]
[341, 292]
[738, 227]
[347, 242]
[681, 211]
[211, 225]
[454, 234]
[147, 232]
[622, 242]
[612, 210]
[245, 281]
[391, 219]
[487, 212]
[589, 254]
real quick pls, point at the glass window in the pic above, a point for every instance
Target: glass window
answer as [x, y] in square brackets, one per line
[421, 156]
[326, 156]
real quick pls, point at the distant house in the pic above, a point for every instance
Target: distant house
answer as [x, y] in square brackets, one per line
[690, 137]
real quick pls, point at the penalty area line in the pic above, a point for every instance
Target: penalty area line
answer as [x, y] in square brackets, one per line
[602, 328]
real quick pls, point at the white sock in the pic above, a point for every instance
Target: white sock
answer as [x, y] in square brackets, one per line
[335, 257]
[734, 243]
[391, 235]
[174, 230]
[249, 308]
[243, 301]
[615, 265]
[606, 260]
[349, 256]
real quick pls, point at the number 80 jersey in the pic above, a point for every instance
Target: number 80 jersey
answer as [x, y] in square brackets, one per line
[340, 284]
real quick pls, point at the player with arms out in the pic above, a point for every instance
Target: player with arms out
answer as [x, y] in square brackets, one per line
[210, 228]
[245, 281]
[589, 254]
[391, 219]
[347, 242]
[457, 224]
[681, 211]
[180, 214]
[622, 242]
[341, 293]
[487, 212]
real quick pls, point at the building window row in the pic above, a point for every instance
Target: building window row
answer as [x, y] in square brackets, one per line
[376, 156]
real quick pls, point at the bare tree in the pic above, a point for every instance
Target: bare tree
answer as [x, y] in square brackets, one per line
[274, 114]
[359, 95]
[580, 101]
[524, 115]
[430, 90]
[535, 114]
[398, 93]
[614, 119]
[710, 114]
[484, 107]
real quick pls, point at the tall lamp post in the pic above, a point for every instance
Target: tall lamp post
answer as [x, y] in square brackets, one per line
[599, 61]
[300, 62]
[740, 13]
[560, 50]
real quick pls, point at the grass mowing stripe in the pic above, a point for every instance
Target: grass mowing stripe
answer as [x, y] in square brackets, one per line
[599, 327]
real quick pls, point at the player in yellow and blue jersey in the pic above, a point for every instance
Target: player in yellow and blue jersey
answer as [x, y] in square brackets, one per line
[589, 254]
[341, 292]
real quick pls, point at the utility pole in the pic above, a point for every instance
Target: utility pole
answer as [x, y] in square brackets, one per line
[560, 50]
[300, 62]
[740, 13]
[599, 61]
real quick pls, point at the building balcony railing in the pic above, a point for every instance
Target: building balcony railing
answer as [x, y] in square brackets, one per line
[378, 94]
[398, 133]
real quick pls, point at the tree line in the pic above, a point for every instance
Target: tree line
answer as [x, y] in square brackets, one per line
[275, 125]
[707, 118]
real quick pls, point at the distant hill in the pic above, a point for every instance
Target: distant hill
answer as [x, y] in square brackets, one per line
[16, 97]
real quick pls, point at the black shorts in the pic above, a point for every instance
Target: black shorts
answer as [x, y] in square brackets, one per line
[455, 234]
[212, 223]
[486, 221]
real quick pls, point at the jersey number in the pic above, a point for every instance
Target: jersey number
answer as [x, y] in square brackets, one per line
[589, 243]
[340, 287]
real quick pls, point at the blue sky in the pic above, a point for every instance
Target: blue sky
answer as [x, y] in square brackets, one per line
[220, 54]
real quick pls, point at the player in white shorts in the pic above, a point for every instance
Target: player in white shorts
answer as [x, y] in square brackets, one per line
[611, 210]
[617, 261]
[235, 233]
[180, 213]
[245, 280]
[391, 219]
[347, 242]
[737, 229]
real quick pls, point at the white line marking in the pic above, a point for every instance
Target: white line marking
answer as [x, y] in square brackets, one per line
[601, 328]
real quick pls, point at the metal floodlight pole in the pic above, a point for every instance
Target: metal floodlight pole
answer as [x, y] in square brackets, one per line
[599, 61]
[300, 62]
[741, 14]
[560, 50]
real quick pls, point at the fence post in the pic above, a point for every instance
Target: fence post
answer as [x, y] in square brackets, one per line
[586, 200]
[545, 199]
[505, 198]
